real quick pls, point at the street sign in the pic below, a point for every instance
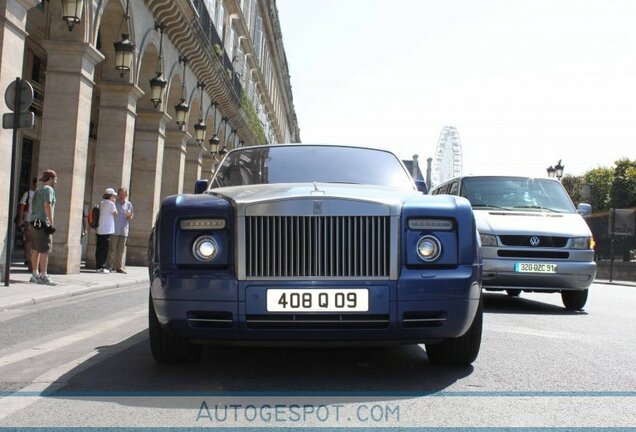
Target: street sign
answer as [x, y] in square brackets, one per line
[26, 96]
[25, 120]
[622, 222]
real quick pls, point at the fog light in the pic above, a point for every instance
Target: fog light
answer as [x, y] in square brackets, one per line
[205, 248]
[429, 248]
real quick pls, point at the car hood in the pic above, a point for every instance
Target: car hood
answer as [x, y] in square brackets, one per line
[531, 223]
[330, 196]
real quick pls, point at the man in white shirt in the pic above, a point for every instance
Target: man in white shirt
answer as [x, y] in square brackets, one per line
[105, 227]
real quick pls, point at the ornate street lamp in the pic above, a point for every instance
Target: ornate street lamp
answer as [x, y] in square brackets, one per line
[124, 54]
[556, 171]
[182, 107]
[214, 144]
[124, 49]
[72, 12]
[558, 168]
[214, 141]
[200, 127]
[158, 84]
[551, 171]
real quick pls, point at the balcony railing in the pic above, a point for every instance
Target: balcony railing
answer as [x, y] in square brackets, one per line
[208, 29]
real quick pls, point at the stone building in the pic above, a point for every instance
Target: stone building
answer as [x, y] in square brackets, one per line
[99, 122]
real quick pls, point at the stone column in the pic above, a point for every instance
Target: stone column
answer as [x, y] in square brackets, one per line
[145, 184]
[115, 136]
[64, 142]
[209, 165]
[193, 167]
[13, 15]
[174, 156]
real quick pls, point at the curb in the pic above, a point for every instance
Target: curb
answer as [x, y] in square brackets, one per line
[71, 293]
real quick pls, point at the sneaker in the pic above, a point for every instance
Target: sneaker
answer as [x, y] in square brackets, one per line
[46, 280]
[122, 271]
[105, 270]
[34, 279]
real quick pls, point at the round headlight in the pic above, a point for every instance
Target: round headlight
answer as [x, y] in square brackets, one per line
[429, 248]
[205, 248]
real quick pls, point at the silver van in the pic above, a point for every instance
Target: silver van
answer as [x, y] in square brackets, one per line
[532, 236]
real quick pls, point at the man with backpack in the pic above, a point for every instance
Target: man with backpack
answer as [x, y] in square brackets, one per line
[42, 228]
[24, 219]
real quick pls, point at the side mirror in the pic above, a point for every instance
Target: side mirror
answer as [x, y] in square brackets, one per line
[200, 186]
[584, 209]
[421, 186]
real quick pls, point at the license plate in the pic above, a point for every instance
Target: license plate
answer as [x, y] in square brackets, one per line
[535, 268]
[317, 300]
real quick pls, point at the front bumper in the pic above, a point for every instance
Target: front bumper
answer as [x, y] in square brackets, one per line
[421, 306]
[499, 274]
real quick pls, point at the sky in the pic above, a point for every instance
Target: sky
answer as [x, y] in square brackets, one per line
[526, 82]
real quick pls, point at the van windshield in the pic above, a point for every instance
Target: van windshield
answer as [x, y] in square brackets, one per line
[516, 193]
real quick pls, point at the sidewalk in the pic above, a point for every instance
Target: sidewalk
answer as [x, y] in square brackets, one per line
[21, 292]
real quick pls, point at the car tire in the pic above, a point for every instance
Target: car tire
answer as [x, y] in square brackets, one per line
[574, 300]
[462, 350]
[166, 348]
[513, 292]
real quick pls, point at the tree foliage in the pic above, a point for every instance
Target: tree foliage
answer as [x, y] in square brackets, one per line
[623, 189]
[601, 181]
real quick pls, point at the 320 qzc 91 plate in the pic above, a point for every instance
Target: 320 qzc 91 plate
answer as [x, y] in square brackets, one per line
[521, 267]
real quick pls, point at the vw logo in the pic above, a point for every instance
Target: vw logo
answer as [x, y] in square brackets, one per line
[535, 241]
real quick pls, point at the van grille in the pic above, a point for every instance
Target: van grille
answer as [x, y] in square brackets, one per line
[524, 240]
[317, 246]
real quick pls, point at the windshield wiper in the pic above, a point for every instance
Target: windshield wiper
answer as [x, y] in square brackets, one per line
[489, 206]
[537, 207]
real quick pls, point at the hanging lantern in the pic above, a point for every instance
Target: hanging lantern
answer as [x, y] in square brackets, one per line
[214, 144]
[182, 110]
[157, 85]
[199, 131]
[72, 12]
[124, 53]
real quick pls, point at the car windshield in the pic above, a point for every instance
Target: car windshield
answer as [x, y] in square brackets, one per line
[516, 193]
[303, 164]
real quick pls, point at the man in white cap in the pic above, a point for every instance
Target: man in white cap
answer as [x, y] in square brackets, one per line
[105, 227]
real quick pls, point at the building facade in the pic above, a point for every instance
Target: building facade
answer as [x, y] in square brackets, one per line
[125, 91]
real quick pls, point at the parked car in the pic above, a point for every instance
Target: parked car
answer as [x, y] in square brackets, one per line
[532, 237]
[314, 244]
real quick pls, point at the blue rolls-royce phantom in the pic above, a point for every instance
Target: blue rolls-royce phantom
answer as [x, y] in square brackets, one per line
[314, 244]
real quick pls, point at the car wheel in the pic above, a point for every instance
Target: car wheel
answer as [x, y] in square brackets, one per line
[513, 292]
[574, 300]
[462, 350]
[166, 348]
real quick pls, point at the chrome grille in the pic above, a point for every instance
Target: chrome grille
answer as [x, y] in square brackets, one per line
[317, 246]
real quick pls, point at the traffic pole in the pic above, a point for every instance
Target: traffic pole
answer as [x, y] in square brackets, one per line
[14, 157]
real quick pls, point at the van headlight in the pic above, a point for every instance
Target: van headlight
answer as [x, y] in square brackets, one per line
[429, 248]
[205, 248]
[488, 239]
[581, 243]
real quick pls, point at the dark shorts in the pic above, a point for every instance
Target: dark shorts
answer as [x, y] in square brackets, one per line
[41, 241]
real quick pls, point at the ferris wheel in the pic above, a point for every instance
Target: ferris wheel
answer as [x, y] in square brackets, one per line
[447, 162]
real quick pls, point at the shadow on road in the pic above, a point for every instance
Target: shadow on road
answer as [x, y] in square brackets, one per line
[128, 372]
[505, 304]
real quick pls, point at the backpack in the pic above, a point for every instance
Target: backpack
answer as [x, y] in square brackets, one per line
[93, 217]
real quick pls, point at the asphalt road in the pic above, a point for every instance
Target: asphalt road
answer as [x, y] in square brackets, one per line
[85, 361]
